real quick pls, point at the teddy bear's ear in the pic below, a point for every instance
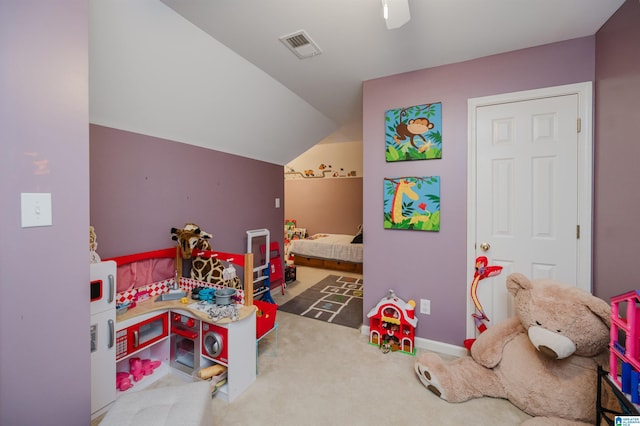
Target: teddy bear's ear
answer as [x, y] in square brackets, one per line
[599, 307]
[517, 282]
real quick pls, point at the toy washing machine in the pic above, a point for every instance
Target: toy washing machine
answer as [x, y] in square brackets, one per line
[214, 342]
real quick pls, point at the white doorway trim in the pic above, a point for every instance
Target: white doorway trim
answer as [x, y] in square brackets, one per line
[585, 176]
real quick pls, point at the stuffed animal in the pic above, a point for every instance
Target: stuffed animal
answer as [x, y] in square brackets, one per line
[193, 240]
[543, 360]
[94, 257]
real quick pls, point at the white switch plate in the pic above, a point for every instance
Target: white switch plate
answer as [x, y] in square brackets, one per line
[36, 209]
[277, 203]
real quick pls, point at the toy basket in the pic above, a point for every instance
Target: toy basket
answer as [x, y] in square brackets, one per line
[265, 317]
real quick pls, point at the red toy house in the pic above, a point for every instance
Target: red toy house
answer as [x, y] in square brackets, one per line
[392, 324]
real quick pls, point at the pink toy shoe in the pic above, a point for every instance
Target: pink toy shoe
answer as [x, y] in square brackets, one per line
[147, 370]
[135, 368]
[123, 381]
[148, 366]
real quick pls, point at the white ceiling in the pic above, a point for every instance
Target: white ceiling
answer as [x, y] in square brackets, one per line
[194, 71]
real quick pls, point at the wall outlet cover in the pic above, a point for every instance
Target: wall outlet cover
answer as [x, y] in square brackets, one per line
[425, 306]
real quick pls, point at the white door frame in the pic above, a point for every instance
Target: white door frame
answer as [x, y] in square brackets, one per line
[585, 177]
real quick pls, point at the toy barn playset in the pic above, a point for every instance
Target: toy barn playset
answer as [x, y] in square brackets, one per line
[392, 324]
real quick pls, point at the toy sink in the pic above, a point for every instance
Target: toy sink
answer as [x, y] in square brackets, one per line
[171, 296]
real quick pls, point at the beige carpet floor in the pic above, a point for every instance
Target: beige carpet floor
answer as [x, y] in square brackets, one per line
[325, 374]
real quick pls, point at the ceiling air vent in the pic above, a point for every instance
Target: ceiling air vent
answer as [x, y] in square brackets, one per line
[301, 44]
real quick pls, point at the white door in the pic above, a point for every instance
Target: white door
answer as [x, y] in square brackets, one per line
[529, 166]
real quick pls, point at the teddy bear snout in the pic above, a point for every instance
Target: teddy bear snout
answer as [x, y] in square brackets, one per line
[551, 344]
[548, 352]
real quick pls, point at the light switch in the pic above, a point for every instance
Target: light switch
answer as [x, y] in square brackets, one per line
[277, 203]
[36, 209]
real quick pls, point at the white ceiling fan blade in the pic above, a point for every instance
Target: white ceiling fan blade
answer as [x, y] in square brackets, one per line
[397, 13]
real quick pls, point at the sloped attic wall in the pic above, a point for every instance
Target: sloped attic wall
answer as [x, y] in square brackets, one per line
[153, 72]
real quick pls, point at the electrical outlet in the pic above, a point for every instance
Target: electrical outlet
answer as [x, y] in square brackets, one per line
[425, 306]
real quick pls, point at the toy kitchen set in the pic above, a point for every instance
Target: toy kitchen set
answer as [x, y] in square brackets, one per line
[147, 321]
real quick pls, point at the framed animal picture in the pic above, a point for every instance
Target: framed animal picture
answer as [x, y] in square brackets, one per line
[412, 203]
[413, 133]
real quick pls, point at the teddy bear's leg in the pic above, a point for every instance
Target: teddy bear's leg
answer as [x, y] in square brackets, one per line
[459, 380]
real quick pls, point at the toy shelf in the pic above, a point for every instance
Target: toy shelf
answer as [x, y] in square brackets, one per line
[262, 273]
[626, 407]
[146, 381]
[625, 323]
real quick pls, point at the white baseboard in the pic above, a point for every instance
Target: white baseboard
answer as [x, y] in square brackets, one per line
[431, 345]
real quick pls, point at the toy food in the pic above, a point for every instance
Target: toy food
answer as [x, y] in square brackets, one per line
[209, 372]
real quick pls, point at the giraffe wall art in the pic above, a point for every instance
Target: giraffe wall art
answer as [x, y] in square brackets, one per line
[412, 203]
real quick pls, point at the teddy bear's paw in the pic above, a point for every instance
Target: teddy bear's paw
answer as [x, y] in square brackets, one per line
[430, 380]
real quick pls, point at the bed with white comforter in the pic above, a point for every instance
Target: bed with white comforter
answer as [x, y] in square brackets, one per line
[332, 251]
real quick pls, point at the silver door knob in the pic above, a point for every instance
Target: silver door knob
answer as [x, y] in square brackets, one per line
[485, 246]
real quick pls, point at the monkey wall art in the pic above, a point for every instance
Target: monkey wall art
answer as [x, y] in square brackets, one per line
[414, 133]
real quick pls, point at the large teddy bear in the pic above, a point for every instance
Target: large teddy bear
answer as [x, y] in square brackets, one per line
[544, 360]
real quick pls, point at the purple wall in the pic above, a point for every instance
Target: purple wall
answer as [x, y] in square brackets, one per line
[44, 313]
[141, 186]
[617, 130]
[433, 265]
[44, 271]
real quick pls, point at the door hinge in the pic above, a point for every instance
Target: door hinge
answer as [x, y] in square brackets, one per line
[579, 125]
[577, 232]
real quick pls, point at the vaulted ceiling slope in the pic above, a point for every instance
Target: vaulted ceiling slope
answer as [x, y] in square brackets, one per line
[152, 72]
[213, 73]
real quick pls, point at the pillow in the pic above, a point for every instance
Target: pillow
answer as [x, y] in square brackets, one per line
[357, 239]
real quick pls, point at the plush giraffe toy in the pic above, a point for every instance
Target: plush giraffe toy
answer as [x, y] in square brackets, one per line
[192, 239]
[94, 257]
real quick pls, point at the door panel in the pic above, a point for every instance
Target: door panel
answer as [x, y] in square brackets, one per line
[526, 193]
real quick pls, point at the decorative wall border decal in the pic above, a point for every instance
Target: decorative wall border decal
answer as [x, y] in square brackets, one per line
[324, 171]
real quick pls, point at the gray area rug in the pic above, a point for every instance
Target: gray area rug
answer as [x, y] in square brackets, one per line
[335, 299]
